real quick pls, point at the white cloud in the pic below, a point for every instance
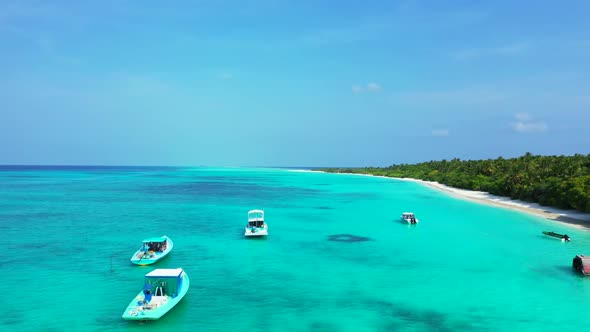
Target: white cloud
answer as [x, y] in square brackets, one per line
[529, 127]
[368, 30]
[503, 50]
[369, 87]
[526, 124]
[373, 87]
[46, 44]
[440, 132]
[522, 116]
[225, 76]
[357, 88]
[139, 85]
[467, 96]
[512, 49]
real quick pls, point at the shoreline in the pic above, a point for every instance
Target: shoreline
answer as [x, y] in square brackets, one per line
[567, 217]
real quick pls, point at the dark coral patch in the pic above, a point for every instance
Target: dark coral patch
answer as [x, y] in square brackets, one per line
[349, 238]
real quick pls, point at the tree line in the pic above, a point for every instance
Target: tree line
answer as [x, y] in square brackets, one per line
[558, 181]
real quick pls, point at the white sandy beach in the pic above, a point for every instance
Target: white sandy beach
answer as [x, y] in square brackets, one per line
[566, 216]
[570, 217]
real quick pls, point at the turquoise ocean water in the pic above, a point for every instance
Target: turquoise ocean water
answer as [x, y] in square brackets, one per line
[68, 234]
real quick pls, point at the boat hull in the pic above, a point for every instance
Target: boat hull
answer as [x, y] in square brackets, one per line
[255, 231]
[409, 222]
[135, 311]
[562, 237]
[138, 260]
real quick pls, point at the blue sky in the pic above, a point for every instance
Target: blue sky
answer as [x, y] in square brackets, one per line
[291, 83]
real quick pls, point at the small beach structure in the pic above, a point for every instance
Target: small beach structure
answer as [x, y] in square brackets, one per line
[562, 237]
[152, 250]
[581, 264]
[409, 217]
[256, 225]
[162, 290]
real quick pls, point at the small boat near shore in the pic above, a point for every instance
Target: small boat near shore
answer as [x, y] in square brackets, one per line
[409, 217]
[562, 237]
[256, 225]
[163, 289]
[152, 250]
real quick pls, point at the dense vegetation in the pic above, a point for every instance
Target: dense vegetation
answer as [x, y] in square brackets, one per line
[558, 181]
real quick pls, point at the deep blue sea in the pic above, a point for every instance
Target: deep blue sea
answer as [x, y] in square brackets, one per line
[68, 234]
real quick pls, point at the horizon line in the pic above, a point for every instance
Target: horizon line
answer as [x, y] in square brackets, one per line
[170, 166]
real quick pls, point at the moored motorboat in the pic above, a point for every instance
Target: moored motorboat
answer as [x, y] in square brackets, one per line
[163, 289]
[409, 217]
[581, 264]
[152, 250]
[256, 225]
[562, 237]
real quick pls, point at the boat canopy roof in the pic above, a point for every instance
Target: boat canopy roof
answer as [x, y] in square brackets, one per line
[255, 215]
[408, 214]
[160, 273]
[155, 239]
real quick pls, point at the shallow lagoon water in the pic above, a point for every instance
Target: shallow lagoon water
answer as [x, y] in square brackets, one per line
[69, 232]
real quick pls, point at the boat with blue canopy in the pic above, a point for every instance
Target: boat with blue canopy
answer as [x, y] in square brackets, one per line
[162, 290]
[152, 250]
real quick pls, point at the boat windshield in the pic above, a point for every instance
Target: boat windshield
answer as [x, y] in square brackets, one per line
[155, 246]
[255, 223]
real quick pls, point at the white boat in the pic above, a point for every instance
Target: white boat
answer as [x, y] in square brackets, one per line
[256, 225]
[163, 289]
[409, 217]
